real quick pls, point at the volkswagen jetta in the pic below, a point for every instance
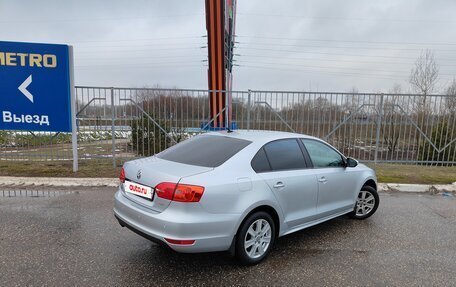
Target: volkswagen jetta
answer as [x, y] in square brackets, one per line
[240, 191]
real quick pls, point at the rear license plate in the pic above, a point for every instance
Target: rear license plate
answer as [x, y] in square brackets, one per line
[138, 189]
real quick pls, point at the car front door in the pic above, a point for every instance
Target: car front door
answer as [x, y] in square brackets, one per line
[282, 165]
[336, 185]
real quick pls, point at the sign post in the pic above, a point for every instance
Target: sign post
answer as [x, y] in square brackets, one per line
[74, 133]
[37, 89]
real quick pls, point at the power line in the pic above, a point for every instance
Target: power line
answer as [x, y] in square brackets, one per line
[333, 60]
[335, 54]
[358, 75]
[140, 39]
[343, 18]
[334, 67]
[324, 60]
[344, 47]
[139, 45]
[141, 66]
[349, 41]
[47, 20]
[242, 56]
[72, 42]
[345, 74]
[109, 58]
[324, 67]
[138, 50]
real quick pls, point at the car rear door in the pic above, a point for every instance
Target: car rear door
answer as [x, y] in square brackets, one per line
[336, 185]
[282, 165]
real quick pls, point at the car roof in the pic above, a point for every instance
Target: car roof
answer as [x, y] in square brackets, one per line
[259, 135]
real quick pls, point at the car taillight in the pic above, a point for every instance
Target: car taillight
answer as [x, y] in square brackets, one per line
[179, 192]
[122, 175]
[165, 190]
[188, 193]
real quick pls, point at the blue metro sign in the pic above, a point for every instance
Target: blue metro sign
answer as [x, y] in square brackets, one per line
[35, 87]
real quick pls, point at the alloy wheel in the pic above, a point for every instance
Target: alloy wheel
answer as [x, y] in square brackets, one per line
[257, 238]
[365, 203]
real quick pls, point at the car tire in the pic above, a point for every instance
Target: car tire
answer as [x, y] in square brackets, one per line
[366, 204]
[255, 238]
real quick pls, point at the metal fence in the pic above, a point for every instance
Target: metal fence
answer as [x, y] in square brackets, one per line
[118, 124]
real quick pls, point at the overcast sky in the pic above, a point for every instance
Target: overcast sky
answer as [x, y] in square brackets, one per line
[317, 45]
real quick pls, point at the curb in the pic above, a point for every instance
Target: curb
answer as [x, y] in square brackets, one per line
[58, 181]
[417, 188]
[114, 182]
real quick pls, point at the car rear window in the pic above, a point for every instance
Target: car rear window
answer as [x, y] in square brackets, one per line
[207, 151]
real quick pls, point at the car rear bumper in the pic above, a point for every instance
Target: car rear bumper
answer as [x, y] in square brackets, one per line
[180, 221]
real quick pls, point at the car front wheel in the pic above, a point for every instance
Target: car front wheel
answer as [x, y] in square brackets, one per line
[255, 238]
[366, 203]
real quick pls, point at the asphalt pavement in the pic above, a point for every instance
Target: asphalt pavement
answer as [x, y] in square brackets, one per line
[69, 237]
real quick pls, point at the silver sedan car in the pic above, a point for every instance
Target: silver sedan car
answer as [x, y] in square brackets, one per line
[239, 191]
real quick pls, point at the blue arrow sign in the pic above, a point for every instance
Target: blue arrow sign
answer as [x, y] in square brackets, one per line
[35, 87]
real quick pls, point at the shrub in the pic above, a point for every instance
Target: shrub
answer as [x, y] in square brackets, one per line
[147, 138]
[5, 138]
[442, 134]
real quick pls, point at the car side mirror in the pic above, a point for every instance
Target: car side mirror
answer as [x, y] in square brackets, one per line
[351, 162]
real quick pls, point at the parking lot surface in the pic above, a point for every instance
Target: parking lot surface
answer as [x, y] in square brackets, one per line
[70, 237]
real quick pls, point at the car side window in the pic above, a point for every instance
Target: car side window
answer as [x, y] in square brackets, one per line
[260, 162]
[284, 155]
[322, 155]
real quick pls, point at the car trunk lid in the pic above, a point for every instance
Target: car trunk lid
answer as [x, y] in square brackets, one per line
[151, 171]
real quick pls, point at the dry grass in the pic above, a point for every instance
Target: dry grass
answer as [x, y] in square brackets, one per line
[92, 168]
[393, 173]
[401, 173]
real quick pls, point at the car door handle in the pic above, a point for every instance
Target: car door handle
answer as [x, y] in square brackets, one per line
[322, 179]
[279, 184]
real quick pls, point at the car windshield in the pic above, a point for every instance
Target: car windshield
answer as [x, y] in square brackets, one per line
[205, 150]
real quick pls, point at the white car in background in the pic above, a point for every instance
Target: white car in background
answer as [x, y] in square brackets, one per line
[240, 191]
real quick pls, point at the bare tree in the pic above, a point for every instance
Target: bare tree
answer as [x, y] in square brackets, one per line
[352, 100]
[451, 100]
[423, 77]
[391, 114]
[351, 105]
